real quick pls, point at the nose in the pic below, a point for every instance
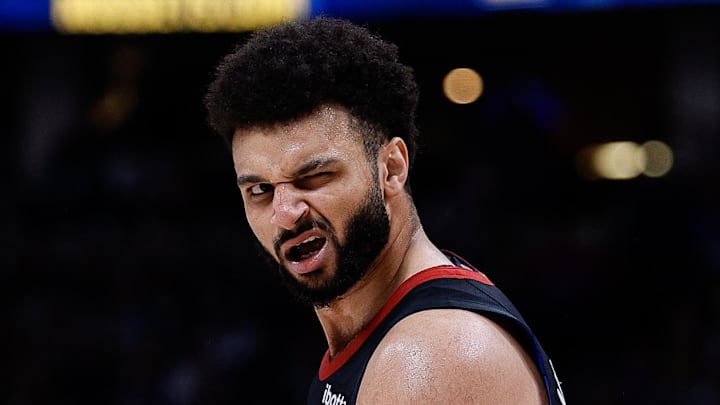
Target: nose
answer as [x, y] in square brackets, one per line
[288, 206]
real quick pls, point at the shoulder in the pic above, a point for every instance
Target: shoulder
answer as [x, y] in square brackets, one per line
[443, 356]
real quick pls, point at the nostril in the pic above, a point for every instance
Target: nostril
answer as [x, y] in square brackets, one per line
[302, 214]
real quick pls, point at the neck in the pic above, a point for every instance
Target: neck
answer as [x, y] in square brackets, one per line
[408, 252]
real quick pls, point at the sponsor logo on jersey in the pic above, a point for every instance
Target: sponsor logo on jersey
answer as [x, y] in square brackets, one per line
[329, 398]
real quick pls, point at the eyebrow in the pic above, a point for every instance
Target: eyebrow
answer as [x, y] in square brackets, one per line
[302, 170]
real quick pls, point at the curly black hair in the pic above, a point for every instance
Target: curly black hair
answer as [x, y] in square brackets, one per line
[285, 72]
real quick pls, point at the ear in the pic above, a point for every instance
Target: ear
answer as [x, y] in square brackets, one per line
[394, 166]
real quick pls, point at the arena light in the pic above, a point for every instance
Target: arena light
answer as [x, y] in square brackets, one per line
[167, 16]
[515, 3]
[625, 160]
[613, 160]
[618, 160]
[659, 158]
[462, 85]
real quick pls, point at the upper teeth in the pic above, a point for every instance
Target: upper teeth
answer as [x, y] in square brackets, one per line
[310, 239]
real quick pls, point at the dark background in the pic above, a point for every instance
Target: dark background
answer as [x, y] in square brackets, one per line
[129, 275]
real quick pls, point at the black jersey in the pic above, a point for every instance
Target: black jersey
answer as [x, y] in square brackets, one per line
[460, 286]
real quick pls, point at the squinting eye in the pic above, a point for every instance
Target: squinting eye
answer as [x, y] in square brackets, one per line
[259, 189]
[315, 180]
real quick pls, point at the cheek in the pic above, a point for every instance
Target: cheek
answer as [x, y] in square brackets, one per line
[336, 206]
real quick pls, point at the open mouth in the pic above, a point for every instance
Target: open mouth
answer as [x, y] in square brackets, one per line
[306, 249]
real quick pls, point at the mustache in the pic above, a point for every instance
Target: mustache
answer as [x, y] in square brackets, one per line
[306, 225]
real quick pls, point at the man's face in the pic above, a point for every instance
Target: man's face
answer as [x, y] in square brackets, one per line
[313, 201]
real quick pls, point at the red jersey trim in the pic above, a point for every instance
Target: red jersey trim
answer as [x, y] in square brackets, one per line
[328, 367]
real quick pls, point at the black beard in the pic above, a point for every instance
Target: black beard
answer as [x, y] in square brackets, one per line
[366, 236]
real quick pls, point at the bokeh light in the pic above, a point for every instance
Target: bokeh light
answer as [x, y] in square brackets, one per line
[462, 85]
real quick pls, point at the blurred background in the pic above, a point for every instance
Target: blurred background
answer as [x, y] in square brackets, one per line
[570, 151]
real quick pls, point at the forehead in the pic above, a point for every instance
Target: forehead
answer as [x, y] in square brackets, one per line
[327, 132]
